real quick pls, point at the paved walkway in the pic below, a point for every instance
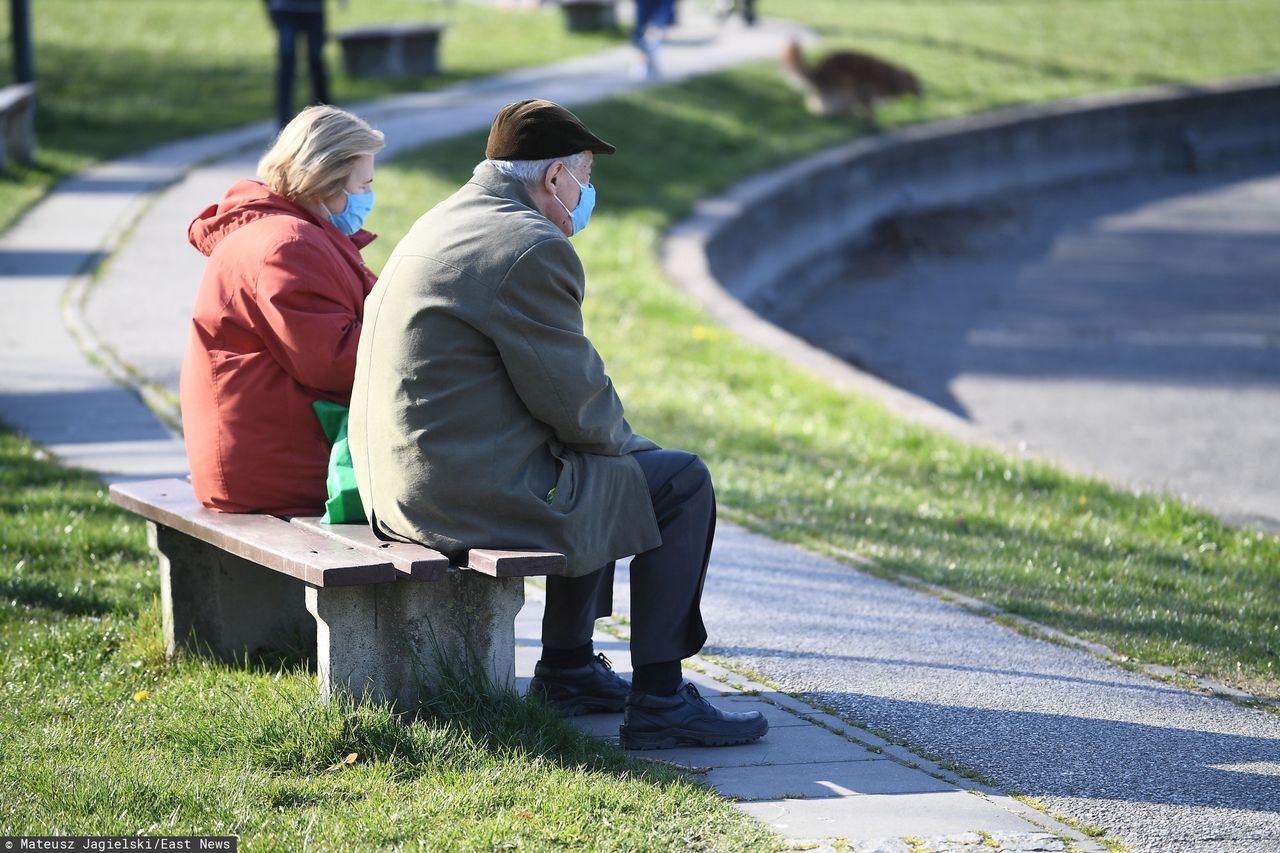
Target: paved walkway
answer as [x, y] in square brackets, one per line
[1050, 720]
[1130, 329]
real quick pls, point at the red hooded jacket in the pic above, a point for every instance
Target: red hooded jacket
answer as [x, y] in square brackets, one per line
[275, 327]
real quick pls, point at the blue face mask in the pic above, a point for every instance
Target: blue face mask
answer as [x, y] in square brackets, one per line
[351, 220]
[581, 214]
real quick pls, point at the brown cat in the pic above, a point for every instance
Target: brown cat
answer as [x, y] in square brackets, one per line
[847, 81]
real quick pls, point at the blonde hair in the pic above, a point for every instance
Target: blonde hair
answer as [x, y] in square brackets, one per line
[314, 155]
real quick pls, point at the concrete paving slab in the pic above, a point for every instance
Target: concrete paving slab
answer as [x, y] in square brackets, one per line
[603, 726]
[880, 816]
[855, 798]
[818, 780]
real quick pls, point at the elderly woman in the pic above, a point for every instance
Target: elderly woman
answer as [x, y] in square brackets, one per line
[278, 316]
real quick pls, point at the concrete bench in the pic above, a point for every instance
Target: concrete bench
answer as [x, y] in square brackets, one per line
[392, 50]
[379, 618]
[590, 15]
[17, 123]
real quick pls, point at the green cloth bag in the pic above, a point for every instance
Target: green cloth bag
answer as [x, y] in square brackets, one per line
[343, 505]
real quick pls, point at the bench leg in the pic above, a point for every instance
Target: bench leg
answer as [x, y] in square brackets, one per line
[216, 603]
[387, 642]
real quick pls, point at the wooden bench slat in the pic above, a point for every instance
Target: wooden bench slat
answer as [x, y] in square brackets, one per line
[515, 564]
[413, 562]
[263, 539]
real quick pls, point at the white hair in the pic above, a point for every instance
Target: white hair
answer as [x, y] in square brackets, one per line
[531, 172]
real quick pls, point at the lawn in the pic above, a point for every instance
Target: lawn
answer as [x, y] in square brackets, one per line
[117, 76]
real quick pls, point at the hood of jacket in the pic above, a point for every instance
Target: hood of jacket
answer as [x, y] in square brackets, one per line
[248, 201]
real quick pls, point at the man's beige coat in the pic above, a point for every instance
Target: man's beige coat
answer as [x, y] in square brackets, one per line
[481, 414]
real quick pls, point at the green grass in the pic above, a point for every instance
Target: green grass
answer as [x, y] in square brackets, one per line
[118, 76]
[101, 736]
[1150, 577]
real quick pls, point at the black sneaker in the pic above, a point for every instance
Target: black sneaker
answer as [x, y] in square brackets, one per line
[591, 689]
[685, 719]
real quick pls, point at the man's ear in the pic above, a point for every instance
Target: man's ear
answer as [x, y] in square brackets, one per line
[552, 175]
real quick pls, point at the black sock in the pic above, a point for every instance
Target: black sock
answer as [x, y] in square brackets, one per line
[568, 658]
[657, 679]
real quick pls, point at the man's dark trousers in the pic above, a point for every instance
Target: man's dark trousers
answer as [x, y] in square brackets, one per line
[666, 583]
[289, 26]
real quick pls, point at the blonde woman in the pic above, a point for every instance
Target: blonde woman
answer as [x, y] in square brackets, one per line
[278, 316]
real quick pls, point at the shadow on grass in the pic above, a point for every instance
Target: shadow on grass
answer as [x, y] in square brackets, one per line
[464, 722]
[49, 595]
[41, 171]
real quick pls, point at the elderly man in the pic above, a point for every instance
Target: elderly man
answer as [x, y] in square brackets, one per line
[483, 417]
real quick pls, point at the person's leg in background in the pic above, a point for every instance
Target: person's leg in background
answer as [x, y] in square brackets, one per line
[666, 16]
[287, 30]
[646, 10]
[315, 31]
[647, 14]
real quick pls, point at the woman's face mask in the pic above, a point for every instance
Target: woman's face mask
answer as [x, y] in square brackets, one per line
[351, 220]
[581, 214]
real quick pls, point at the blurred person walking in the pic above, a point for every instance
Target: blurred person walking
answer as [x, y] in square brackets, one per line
[292, 19]
[657, 15]
[278, 317]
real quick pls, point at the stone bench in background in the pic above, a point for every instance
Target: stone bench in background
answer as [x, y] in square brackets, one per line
[590, 15]
[392, 50]
[17, 123]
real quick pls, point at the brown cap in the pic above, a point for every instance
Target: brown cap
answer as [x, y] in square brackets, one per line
[540, 130]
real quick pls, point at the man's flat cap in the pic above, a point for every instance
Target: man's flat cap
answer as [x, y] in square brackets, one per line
[540, 130]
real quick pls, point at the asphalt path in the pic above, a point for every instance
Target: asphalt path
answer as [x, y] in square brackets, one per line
[1128, 329]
